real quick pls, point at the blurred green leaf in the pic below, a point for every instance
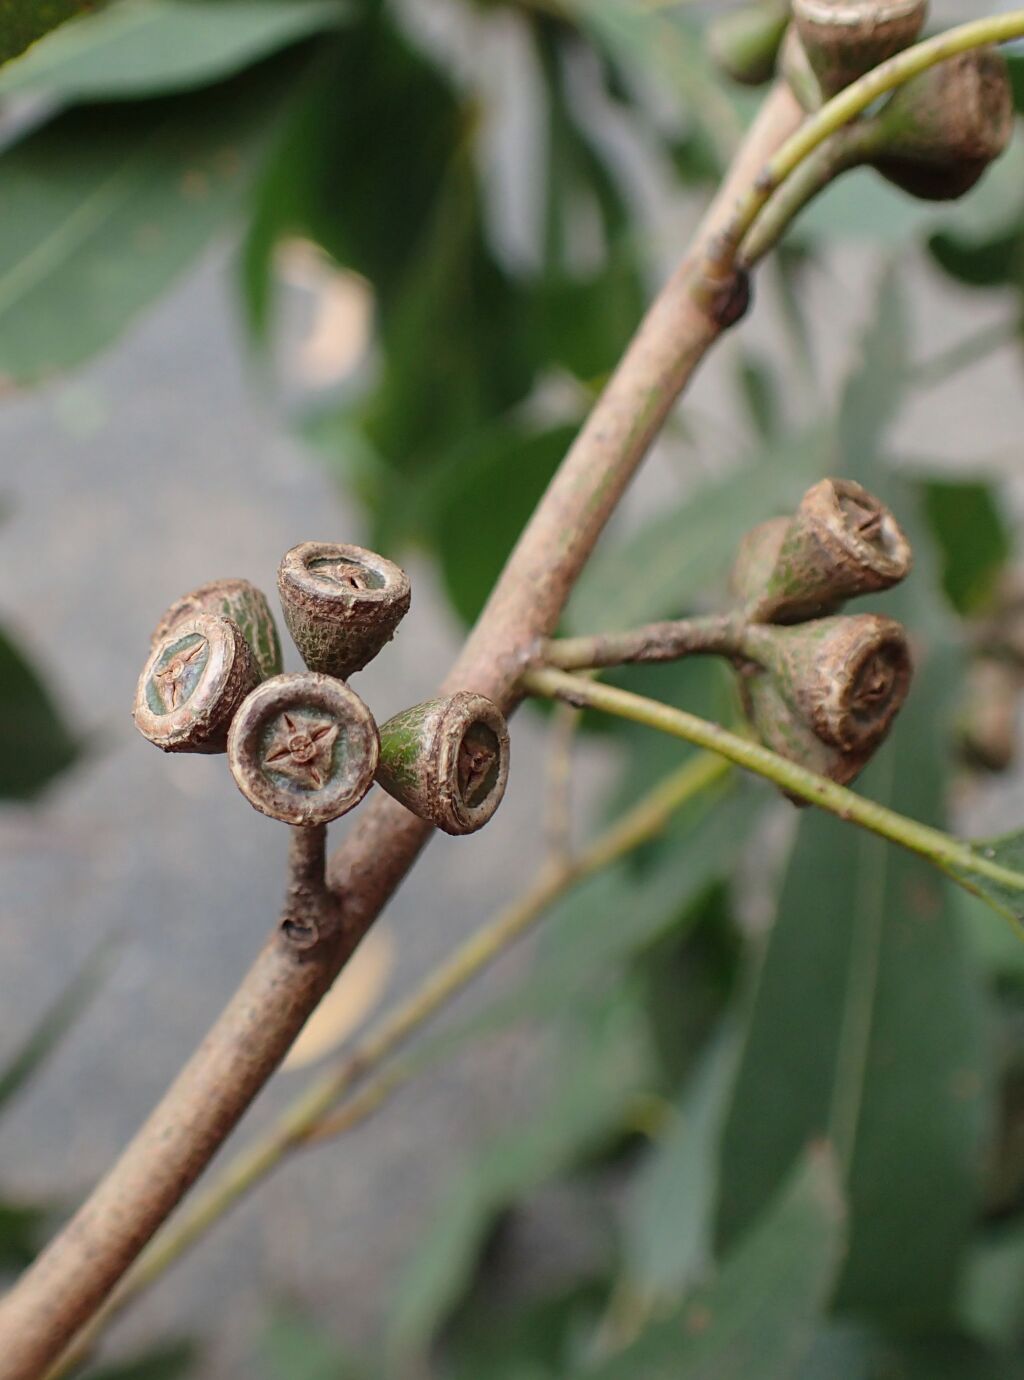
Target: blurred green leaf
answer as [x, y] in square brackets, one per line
[667, 43]
[876, 388]
[841, 1351]
[993, 1286]
[538, 1341]
[998, 949]
[152, 47]
[659, 570]
[668, 1223]
[168, 1362]
[972, 537]
[24, 21]
[759, 391]
[35, 742]
[758, 1316]
[482, 502]
[993, 262]
[601, 1063]
[942, 1357]
[370, 90]
[1008, 852]
[54, 1024]
[104, 211]
[612, 919]
[22, 1231]
[295, 1348]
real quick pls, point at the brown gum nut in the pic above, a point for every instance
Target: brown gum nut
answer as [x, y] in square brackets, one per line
[447, 761]
[756, 558]
[842, 542]
[193, 683]
[943, 129]
[341, 603]
[784, 730]
[847, 677]
[303, 748]
[238, 600]
[844, 39]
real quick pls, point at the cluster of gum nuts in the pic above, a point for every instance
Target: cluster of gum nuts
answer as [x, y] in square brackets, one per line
[303, 747]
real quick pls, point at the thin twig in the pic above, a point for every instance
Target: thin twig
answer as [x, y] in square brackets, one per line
[848, 104]
[312, 1117]
[951, 855]
[718, 634]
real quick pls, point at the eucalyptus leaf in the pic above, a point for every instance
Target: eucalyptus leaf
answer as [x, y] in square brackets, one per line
[23, 1229]
[54, 1024]
[601, 1062]
[992, 1303]
[668, 1222]
[22, 22]
[973, 540]
[172, 1361]
[152, 47]
[759, 1315]
[36, 744]
[612, 919]
[1006, 897]
[482, 502]
[104, 212]
[296, 1348]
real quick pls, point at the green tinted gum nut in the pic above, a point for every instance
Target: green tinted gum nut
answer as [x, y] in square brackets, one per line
[938, 134]
[744, 43]
[191, 687]
[303, 748]
[841, 543]
[342, 604]
[843, 39]
[240, 601]
[843, 679]
[447, 761]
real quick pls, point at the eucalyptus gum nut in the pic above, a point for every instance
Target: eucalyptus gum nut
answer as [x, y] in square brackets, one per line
[447, 761]
[939, 132]
[744, 43]
[756, 558]
[783, 729]
[841, 542]
[342, 604]
[797, 72]
[844, 39]
[244, 604]
[303, 748]
[193, 683]
[846, 677]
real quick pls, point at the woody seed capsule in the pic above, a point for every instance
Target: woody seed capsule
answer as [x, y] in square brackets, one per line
[190, 688]
[303, 748]
[342, 604]
[447, 761]
[238, 600]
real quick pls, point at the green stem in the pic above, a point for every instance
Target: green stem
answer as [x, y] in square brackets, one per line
[947, 853]
[851, 102]
[845, 149]
[312, 1117]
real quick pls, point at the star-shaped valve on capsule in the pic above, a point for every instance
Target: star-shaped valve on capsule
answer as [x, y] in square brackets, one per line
[302, 748]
